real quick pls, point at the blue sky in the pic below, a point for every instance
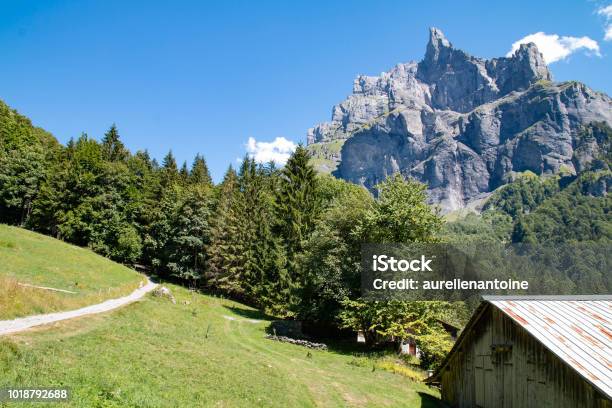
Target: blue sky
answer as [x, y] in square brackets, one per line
[206, 76]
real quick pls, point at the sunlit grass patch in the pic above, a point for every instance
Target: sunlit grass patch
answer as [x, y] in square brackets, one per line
[28, 258]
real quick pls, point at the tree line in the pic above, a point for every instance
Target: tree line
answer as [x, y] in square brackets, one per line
[286, 240]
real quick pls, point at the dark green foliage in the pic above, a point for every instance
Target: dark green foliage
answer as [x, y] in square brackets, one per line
[25, 155]
[552, 210]
[330, 262]
[224, 251]
[246, 259]
[265, 279]
[297, 203]
[287, 240]
[296, 207]
[571, 208]
[86, 200]
[495, 226]
[184, 174]
[523, 195]
[182, 232]
[169, 171]
[581, 212]
[521, 231]
[401, 214]
[112, 147]
[23, 170]
[199, 172]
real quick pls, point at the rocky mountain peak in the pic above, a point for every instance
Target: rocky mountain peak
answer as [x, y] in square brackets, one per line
[461, 124]
[437, 44]
[532, 61]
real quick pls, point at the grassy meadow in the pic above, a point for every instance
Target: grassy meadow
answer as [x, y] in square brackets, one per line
[30, 258]
[202, 351]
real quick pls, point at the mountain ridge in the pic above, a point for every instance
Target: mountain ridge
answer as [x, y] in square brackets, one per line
[461, 124]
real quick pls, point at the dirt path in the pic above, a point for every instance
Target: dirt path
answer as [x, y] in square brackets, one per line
[23, 323]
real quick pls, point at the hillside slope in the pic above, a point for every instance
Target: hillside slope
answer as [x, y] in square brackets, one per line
[201, 351]
[34, 259]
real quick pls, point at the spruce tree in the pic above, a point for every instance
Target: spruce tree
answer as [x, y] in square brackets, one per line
[297, 206]
[112, 147]
[297, 203]
[189, 235]
[169, 170]
[262, 255]
[199, 172]
[169, 162]
[184, 173]
[225, 250]
[269, 283]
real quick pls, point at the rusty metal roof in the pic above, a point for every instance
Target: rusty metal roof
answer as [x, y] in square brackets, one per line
[576, 329]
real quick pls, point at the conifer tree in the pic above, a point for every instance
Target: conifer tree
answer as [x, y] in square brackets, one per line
[112, 147]
[189, 235]
[199, 172]
[169, 170]
[184, 174]
[262, 258]
[269, 279]
[297, 206]
[169, 162]
[225, 250]
[297, 203]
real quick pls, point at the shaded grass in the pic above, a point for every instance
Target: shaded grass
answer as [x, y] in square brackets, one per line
[31, 258]
[390, 362]
[157, 354]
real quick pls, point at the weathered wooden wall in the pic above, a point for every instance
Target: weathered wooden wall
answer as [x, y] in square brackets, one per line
[499, 365]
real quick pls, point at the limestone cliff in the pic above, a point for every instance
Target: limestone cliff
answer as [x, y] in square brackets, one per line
[462, 125]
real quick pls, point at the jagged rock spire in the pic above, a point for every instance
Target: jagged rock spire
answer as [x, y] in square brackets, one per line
[532, 57]
[436, 45]
[461, 124]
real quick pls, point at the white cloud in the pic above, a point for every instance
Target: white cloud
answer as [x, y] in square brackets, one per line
[607, 13]
[555, 48]
[277, 151]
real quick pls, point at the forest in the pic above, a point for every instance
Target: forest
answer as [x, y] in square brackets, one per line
[286, 240]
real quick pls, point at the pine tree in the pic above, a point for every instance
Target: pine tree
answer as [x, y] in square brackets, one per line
[199, 172]
[258, 257]
[184, 174]
[169, 162]
[269, 282]
[225, 250]
[296, 207]
[297, 203]
[169, 170]
[189, 235]
[112, 147]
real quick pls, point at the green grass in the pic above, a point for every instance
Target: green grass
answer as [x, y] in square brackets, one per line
[323, 154]
[30, 258]
[202, 351]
